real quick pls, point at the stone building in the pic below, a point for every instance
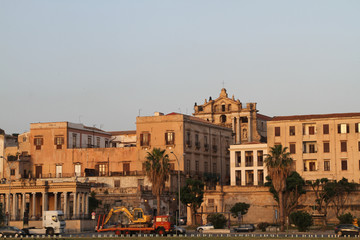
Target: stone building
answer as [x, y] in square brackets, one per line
[322, 145]
[245, 121]
[195, 146]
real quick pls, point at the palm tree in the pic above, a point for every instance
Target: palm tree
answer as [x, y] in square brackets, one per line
[157, 169]
[278, 164]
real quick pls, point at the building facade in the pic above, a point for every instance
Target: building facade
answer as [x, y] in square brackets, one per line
[247, 164]
[323, 146]
[195, 146]
[247, 124]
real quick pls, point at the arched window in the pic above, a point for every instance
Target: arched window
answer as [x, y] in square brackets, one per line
[223, 118]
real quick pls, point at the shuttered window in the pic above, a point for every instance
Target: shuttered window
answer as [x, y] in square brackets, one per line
[277, 131]
[326, 147]
[326, 129]
[343, 146]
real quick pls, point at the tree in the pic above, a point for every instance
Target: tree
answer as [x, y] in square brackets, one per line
[93, 202]
[322, 199]
[302, 220]
[239, 207]
[337, 192]
[192, 195]
[217, 219]
[278, 163]
[157, 170]
[294, 189]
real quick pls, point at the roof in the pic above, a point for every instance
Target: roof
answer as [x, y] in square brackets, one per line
[264, 117]
[123, 132]
[315, 116]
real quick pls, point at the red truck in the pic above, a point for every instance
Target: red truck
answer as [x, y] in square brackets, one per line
[161, 225]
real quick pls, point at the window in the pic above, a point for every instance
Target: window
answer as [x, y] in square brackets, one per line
[206, 167]
[326, 147]
[116, 183]
[326, 129]
[100, 169]
[312, 166]
[343, 146]
[145, 139]
[59, 141]
[292, 130]
[78, 170]
[74, 137]
[344, 165]
[89, 142]
[223, 108]
[292, 148]
[249, 159]
[326, 165]
[126, 168]
[357, 127]
[238, 159]
[214, 167]
[12, 172]
[223, 118]
[188, 166]
[277, 131]
[311, 130]
[343, 128]
[58, 171]
[309, 147]
[106, 143]
[260, 177]
[260, 158]
[188, 139]
[206, 145]
[169, 138]
[97, 142]
[197, 143]
[38, 142]
[197, 167]
[359, 146]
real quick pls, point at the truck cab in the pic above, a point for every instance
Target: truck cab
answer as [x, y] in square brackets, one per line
[53, 222]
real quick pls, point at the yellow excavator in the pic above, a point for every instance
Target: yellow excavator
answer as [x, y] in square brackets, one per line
[135, 216]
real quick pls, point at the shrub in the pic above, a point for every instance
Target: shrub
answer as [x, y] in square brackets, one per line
[217, 219]
[263, 226]
[346, 218]
[302, 220]
[239, 207]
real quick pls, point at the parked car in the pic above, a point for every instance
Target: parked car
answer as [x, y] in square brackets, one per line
[245, 228]
[182, 221]
[347, 230]
[179, 230]
[11, 231]
[204, 227]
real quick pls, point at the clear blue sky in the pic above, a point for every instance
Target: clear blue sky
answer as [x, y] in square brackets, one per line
[99, 62]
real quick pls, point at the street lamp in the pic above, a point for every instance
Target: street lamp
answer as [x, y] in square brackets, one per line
[178, 185]
[9, 166]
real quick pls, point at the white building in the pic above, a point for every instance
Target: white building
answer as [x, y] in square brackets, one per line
[247, 166]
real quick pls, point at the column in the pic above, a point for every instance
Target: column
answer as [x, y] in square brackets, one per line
[233, 120]
[78, 200]
[55, 201]
[15, 206]
[74, 204]
[83, 205]
[8, 209]
[65, 205]
[249, 128]
[33, 205]
[232, 167]
[87, 204]
[44, 201]
[238, 130]
[23, 205]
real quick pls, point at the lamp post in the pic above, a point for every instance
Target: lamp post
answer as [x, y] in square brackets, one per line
[9, 177]
[178, 162]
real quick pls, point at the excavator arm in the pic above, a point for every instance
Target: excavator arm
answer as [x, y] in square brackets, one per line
[119, 209]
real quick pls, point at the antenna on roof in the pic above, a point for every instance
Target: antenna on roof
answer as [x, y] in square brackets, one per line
[101, 126]
[139, 112]
[80, 118]
[179, 110]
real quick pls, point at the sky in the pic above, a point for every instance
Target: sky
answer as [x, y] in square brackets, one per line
[105, 62]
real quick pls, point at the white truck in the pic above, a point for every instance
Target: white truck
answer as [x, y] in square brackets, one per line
[53, 223]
